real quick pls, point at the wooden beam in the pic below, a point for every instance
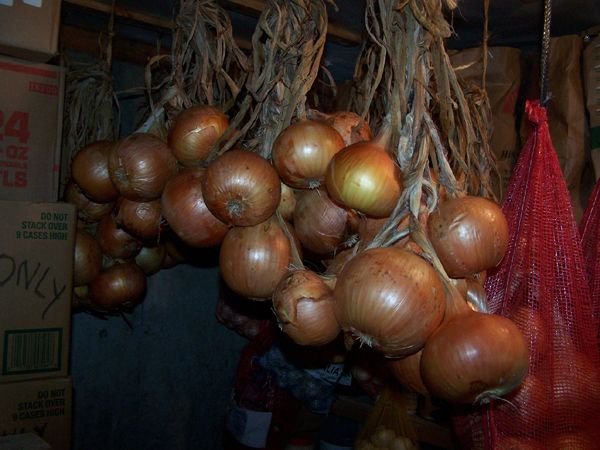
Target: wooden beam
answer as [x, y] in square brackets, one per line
[122, 12]
[85, 41]
[256, 6]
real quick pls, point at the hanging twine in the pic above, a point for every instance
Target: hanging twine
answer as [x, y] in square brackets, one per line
[544, 94]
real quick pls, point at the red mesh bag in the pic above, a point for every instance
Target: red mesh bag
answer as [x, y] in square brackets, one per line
[542, 286]
[590, 242]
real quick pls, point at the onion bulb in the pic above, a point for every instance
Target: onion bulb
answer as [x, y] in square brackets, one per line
[474, 357]
[407, 371]
[151, 258]
[185, 210]
[469, 235]
[391, 299]
[364, 177]
[89, 169]
[528, 405]
[351, 127]
[87, 260]
[114, 241]
[253, 259]
[287, 203]
[193, 133]
[87, 210]
[140, 219]
[302, 152]
[121, 284]
[305, 308]
[140, 166]
[320, 224]
[241, 188]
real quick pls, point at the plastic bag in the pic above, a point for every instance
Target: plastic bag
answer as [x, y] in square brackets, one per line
[388, 425]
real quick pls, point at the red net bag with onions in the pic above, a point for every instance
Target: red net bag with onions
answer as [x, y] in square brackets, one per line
[541, 285]
[590, 241]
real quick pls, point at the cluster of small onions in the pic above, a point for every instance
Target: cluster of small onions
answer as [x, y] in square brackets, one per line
[328, 186]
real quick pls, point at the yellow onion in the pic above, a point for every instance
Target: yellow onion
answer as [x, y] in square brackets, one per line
[320, 224]
[363, 176]
[89, 169]
[140, 166]
[241, 188]
[351, 126]
[407, 371]
[194, 132]
[253, 259]
[305, 308]
[302, 152]
[87, 260]
[473, 357]
[114, 241]
[122, 284]
[87, 210]
[469, 235]
[391, 299]
[140, 219]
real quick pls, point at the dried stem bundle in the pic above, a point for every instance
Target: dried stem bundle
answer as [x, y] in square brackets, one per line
[287, 46]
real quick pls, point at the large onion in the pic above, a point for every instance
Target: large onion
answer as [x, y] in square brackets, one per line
[122, 284]
[87, 260]
[241, 188]
[186, 213]
[305, 308]
[391, 299]
[302, 152]
[363, 176]
[140, 219]
[473, 357]
[287, 203]
[87, 210]
[151, 258]
[320, 224]
[469, 235]
[89, 169]
[114, 241]
[194, 131]
[253, 259]
[140, 166]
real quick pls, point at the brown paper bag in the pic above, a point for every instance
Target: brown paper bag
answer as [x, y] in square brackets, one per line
[591, 80]
[503, 81]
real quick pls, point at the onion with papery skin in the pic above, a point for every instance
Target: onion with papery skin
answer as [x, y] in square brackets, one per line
[114, 241]
[87, 210]
[89, 169]
[87, 260]
[252, 260]
[185, 210]
[305, 308]
[241, 188]
[351, 127]
[151, 258]
[140, 219]
[407, 371]
[140, 166]
[194, 132]
[391, 299]
[302, 151]
[364, 176]
[287, 203]
[121, 284]
[469, 235]
[474, 357]
[320, 224]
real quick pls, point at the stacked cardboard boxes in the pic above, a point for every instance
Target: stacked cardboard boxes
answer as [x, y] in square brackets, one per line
[37, 232]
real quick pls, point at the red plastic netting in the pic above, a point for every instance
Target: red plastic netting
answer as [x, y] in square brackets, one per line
[542, 286]
[590, 242]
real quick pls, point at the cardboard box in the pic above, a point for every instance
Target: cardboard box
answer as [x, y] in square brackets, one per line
[36, 283]
[31, 99]
[43, 407]
[29, 28]
[25, 441]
